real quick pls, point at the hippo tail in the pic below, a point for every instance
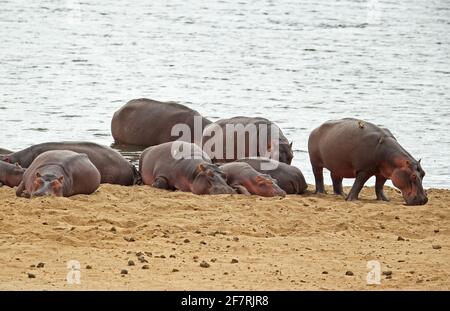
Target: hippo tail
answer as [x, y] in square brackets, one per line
[137, 178]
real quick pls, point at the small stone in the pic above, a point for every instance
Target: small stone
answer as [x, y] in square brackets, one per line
[204, 264]
[234, 260]
[31, 276]
[129, 239]
[89, 267]
[437, 246]
[33, 266]
[400, 238]
[387, 273]
[396, 217]
[198, 232]
[173, 256]
[145, 267]
[162, 257]
[113, 230]
[142, 259]
[175, 270]
[236, 239]
[349, 273]
[203, 242]
[214, 260]
[325, 272]
[40, 265]
[436, 230]
[131, 263]
[225, 273]
[124, 272]
[187, 241]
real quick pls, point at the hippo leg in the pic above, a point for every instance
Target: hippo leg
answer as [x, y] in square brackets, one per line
[379, 188]
[21, 192]
[361, 178]
[241, 189]
[161, 183]
[1, 184]
[318, 175]
[337, 185]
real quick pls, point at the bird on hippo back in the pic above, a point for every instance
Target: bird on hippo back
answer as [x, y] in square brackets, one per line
[351, 148]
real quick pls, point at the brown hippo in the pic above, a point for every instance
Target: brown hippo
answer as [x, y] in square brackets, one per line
[166, 167]
[147, 122]
[246, 144]
[242, 177]
[288, 177]
[60, 173]
[113, 167]
[352, 148]
[5, 151]
[10, 174]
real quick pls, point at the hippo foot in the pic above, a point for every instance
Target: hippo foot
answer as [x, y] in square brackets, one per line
[351, 198]
[320, 192]
[382, 197]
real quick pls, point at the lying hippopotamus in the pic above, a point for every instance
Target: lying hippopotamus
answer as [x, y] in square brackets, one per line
[113, 167]
[10, 174]
[246, 180]
[246, 144]
[146, 122]
[60, 173]
[166, 167]
[352, 148]
[288, 177]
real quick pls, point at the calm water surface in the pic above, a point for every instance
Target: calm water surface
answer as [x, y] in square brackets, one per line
[66, 66]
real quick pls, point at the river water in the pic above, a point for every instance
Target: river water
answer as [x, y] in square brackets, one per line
[66, 66]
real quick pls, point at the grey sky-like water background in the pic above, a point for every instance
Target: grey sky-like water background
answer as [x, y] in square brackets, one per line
[66, 66]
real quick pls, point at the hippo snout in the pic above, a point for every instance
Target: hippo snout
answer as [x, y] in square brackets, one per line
[417, 200]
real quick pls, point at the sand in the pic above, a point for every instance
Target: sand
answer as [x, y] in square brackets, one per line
[305, 242]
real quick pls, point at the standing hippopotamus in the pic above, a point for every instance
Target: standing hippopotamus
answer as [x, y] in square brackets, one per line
[10, 174]
[145, 122]
[288, 177]
[352, 148]
[166, 167]
[60, 173]
[245, 144]
[113, 167]
[246, 180]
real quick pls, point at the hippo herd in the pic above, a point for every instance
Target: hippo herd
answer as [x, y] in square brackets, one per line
[176, 159]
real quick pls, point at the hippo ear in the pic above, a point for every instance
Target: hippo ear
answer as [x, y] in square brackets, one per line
[420, 160]
[61, 179]
[290, 145]
[38, 175]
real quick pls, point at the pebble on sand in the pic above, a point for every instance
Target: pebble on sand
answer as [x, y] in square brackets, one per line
[437, 247]
[124, 272]
[131, 263]
[89, 267]
[31, 276]
[204, 264]
[145, 267]
[175, 270]
[234, 260]
[387, 273]
[349, 273]
[400, 238]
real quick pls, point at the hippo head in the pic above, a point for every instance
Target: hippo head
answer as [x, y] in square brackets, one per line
[408, 178]
[210, 180]
[285, 154]
[265, 186]
[47, 185]
[6, 158]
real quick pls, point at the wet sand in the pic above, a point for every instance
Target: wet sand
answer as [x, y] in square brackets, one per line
[247, 243]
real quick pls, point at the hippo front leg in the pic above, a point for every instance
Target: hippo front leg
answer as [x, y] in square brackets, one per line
[21, 192]
[161, 183]
[241, 189]
[379, 184]
[361, 178]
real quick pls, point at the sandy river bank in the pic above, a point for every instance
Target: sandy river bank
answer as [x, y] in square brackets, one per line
[296, 243]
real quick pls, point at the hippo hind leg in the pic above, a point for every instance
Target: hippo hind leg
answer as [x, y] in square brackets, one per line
[361, 178]
[337, 185]
[318, 176]
[379, 184]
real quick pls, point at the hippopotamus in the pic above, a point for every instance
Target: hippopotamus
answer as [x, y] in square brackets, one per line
[60, 173]
[246, 180]
[352, 148]
[247, 142]
[113, 167]
[182, 166]
[146, 122]
[288, 177]
[5, 151]
[10, 174]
